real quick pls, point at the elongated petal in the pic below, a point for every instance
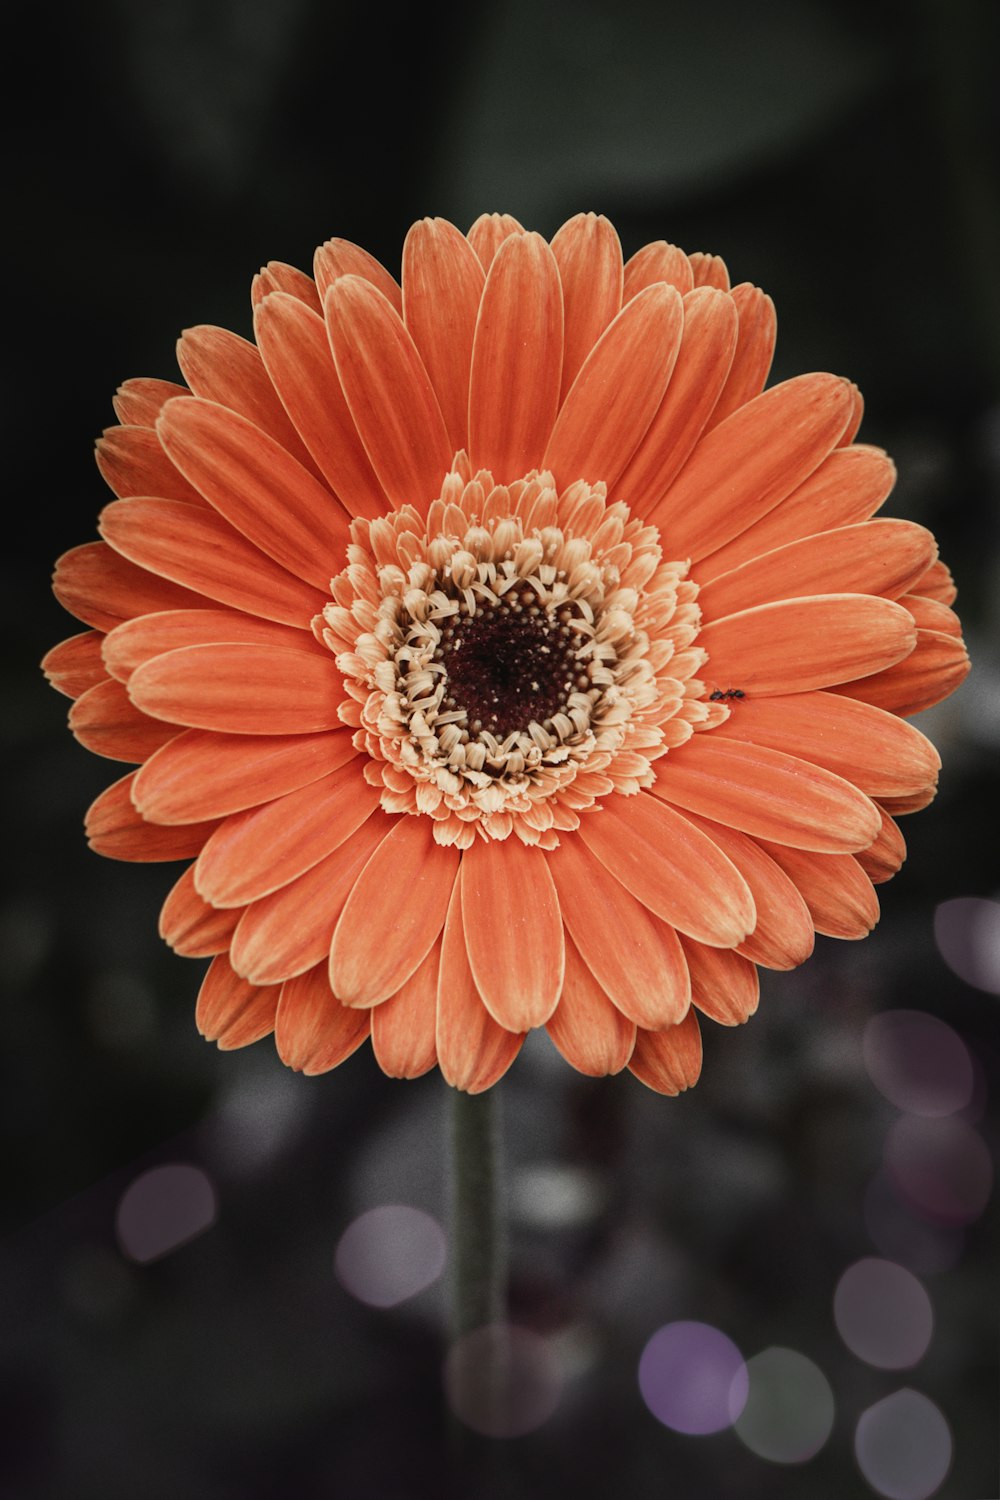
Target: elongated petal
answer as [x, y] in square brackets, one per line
[277, 276]
[388, 392]
[313, 1032]
[221, 367]
[102, 588]
[516, 359]
[473, 1050]
[132, 461]
[135, 641]
[404, 1026]
[76, 664]
[230, 1010]
[342, 258]
[393, 915]
[657, 262]
[794, 645]
[754, 351]
[255, 852]
[202, 775]
[261, 489]
[296, 350]
[847, 488]
[205, 687]
[635, 959]
[115, 829]
[766, 794]
[836, 890]
[672, 868]
[513, 931]
[931, 614]
[290, 931]
[937, 583]
[589, 256]
[138, 402]
[591, 1033]
[881, 860]
[708, 342]
[709, 270]
[191, 926]
[442, 287]
[875, 557]
[618, 391]
[488, 234]
[108, 723]
[724, 986]
[668, 1062]
[751, 461]
[932, 671]
[875, 750]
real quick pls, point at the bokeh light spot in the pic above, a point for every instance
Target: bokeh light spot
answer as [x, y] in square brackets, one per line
[693, 1378]
[967, 933]
[789, 1409]
[903, 1446]
[883, 1314]
[918, 1063]
[389, 1254]
[941, 1168]
[163, 1209]
[502, 1381]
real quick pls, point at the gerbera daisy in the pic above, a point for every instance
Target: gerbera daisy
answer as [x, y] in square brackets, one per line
[502, 654]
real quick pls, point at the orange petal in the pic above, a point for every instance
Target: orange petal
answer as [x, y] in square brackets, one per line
[636, 960]
[291, 930]
[875, 750]
[296, 350]
[342, 258]
[755, 458]
[766, 794]
[657, 262]
[98, 586]
[259, 487]
[255, 852]
[937, 583]
[403, 1027]
[513, 931]
[754, 351]
[313, 1032]
[592, 1034]
[137, 402]
[394, 913]
[388, 392]
[193, 546]
[793, 645]
[875, 557]
[668, 1062]
[933, 670]
[221, 367]
[703, 363]
[442, 287]
[881, 860]
[724, 986]
[931, 614]
[709, 270]
[232, 1011]
[916, 802]
[847, 488]
[75, 664]
[130, 644]
[672, 868]
[276, 276]
[114, 828]
[516, 359]
[205, 775]
[589, 256]
[488, 234]
[836, 890]
[132, 462]
[473, 1050]
[108, 723]
[783, 937]
[206, 687]
[618, 390]
[191, 926]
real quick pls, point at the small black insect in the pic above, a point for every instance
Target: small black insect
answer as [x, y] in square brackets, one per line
[728, 693]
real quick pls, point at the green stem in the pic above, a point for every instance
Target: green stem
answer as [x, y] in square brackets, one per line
[478, 1239]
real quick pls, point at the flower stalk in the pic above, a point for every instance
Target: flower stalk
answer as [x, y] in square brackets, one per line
[478, 1238]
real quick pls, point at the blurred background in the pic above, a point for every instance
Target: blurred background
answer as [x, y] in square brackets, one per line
[222, 1281]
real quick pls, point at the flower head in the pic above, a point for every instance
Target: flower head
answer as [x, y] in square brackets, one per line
[503, 655]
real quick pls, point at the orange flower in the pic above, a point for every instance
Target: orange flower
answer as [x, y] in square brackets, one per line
[502, 654]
